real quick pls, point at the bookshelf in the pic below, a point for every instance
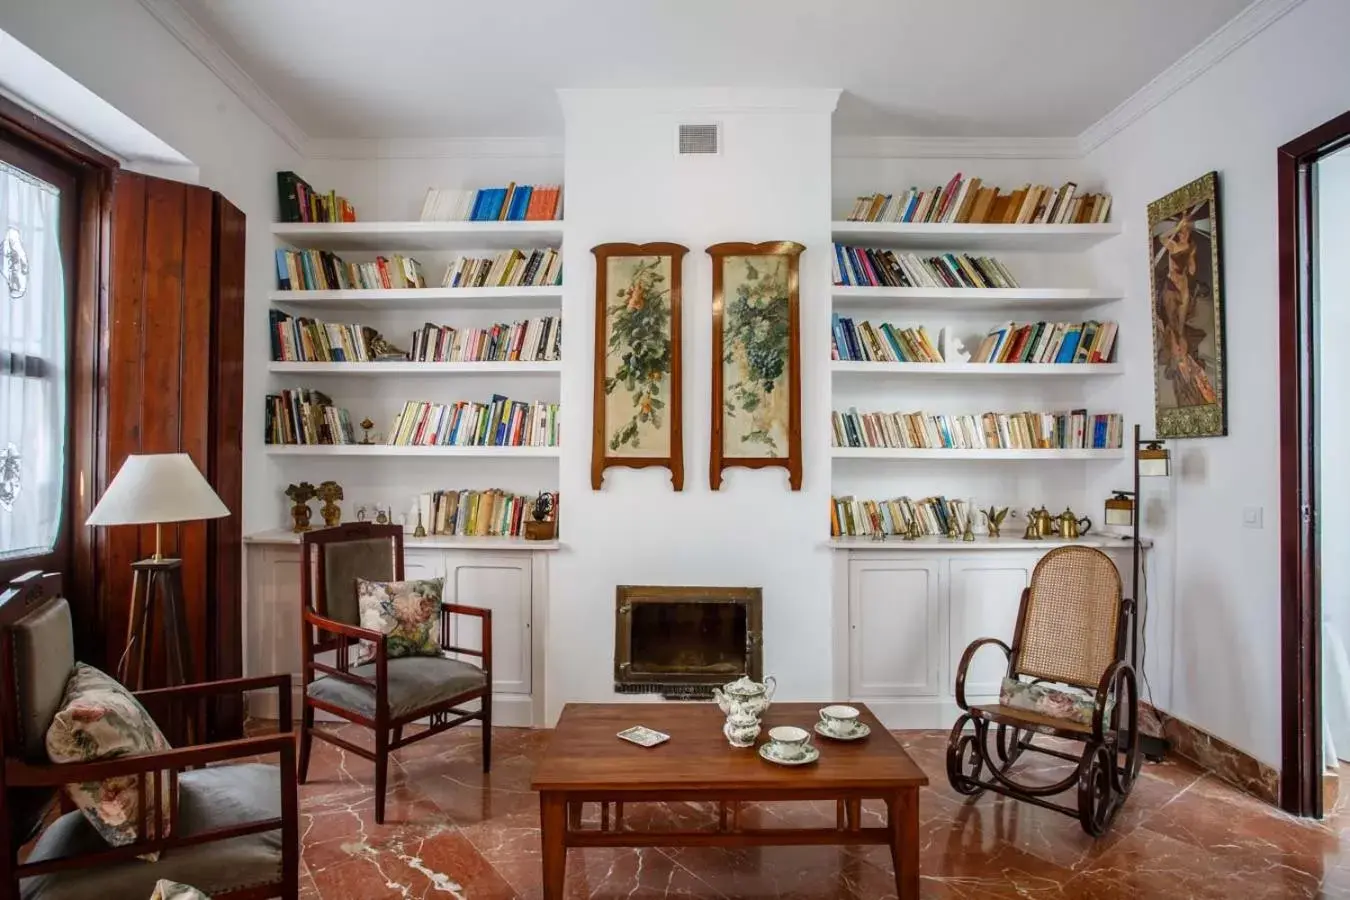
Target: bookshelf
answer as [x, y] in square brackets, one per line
[375, 236]
[984, 371]
[953, 236]
[971, 455]
[974, 299]
[424, 299]
[405, 450]
[416, 368]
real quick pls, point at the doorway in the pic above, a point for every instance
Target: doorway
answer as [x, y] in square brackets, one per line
[1314, 227]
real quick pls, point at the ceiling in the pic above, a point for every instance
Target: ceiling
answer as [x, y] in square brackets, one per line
[920, 68]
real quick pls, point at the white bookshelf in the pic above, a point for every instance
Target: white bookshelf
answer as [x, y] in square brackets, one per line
[429, 299]
[415, 368]
[415, 451]
[401, 236]
[981, 237]
[981, 455]
[979, 370]
[974, 299]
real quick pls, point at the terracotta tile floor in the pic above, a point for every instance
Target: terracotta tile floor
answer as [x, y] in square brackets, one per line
[450, 831]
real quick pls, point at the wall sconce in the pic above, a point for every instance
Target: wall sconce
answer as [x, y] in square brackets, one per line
[1120, 509]
[1154, 460]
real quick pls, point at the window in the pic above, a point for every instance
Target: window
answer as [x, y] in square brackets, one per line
[34, 352]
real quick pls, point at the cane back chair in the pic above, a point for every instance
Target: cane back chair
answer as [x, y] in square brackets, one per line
[1070, 641]
[385, 694]
[231, 831]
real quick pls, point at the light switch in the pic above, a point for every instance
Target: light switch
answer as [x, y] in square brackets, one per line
[1252, 516]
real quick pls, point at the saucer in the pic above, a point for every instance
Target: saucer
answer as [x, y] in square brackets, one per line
[860, 732]
[812, 754]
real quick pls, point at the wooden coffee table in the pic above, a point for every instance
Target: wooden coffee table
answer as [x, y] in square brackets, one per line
[585, 762]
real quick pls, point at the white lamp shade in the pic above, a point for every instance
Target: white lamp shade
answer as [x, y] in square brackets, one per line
[155, 488]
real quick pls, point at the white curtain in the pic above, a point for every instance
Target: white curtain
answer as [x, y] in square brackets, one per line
[32, 365]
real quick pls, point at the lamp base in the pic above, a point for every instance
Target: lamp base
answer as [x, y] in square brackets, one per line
[156, 590]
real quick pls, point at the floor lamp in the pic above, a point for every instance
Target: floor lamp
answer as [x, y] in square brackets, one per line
[1151, 459]
[156, 489]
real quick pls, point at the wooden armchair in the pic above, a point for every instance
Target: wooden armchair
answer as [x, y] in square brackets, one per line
[232, 829]
[1071, 632]
[386, 694]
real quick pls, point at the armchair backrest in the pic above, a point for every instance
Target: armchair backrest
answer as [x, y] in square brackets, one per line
[332, 559]
[37, 654]
[1069, 628]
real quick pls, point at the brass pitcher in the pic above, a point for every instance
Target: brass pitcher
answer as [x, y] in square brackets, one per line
[1039, 524]
[1070, 527]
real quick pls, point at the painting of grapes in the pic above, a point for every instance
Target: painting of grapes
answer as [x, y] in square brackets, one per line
[757, 384]
[637, 357]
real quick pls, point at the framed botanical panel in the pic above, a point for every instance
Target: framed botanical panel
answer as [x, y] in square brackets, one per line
[756, 359]
[637, 414]
[1185, 265]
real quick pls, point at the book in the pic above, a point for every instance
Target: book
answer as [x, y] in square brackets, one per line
[512, 203]
[864, 342]
[1048, 342]
[305, 416]
[499, 422]
[850, 516]
[297, 201]
[970, 201]
[509, 268]
[871, 267]
[530, 340]
[1063, 430]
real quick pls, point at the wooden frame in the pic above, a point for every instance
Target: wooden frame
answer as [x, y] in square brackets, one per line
[606, 442]
[1300, 587]
[1184, 319]
[628, 595]
[320, 633]
[721, 460]
[34, 590]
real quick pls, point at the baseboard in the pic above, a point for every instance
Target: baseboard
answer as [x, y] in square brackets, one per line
[1217, 756]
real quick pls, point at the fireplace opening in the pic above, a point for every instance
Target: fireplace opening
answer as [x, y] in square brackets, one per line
[683, 641]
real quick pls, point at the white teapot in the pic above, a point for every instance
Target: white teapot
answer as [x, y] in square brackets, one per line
[745, 697]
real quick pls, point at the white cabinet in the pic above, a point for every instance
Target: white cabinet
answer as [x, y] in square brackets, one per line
[895, 628]
[419, 565]
[983, 596]
[501, 584]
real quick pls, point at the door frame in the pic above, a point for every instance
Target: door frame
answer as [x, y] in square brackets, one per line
[1300, 600]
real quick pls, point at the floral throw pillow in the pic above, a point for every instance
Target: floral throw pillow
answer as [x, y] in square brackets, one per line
[407, 613]
[100, 719]
[1054, 700]
[172, 890]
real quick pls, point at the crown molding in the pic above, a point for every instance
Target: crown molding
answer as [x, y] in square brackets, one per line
[866, 147]
[1246, 25]
[191, 35]
[433, 148]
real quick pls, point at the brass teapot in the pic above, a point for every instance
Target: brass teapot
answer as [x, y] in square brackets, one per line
[1040, 525]
[1070, 527]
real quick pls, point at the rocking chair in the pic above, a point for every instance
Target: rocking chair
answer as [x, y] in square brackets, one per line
[1068, 678]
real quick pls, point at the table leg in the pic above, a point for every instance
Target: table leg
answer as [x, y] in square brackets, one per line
[574, 815]
[902, 815]
[853, 810]
[553, 838]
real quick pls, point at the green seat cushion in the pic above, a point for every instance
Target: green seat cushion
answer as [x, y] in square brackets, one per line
[215, 797]
[415, 682]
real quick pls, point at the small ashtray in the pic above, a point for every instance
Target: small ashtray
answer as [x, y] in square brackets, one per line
[643, 736]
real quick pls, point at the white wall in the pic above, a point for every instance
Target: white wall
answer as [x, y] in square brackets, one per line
[1224, 622]
[120, 52]
[625, 183]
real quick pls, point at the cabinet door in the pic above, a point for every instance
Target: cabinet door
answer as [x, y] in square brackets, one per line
[423, 564]
[273, 643]
[895, 628]
[501, 584]
[985, 594]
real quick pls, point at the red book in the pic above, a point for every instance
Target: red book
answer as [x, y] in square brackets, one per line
[947, 194]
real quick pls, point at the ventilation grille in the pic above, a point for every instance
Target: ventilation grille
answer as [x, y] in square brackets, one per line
[699, 140]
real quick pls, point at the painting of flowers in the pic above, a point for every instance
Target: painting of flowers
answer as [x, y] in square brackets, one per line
[637, 359]
[756, 358]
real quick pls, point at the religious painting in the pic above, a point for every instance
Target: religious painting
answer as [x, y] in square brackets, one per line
[756, 359]
[1187, 296]
[637, 414]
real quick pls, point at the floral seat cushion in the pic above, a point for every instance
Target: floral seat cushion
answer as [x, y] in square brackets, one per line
[407, 613]
[1057, 701]
[173, 890]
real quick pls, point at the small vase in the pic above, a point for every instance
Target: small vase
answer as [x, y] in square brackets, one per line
[741, 729]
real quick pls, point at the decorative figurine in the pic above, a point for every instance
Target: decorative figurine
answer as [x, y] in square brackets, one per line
[420, 531]
[330, 492]
[993, 519]
[912, 530]
[969, 534]
[366, 425]
[381, 516]
[380, 348]
[361, 513]
[952, 533]
[950, 347]
[300, 495]
[542, 525]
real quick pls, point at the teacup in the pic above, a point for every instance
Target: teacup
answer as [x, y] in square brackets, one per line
[839, 720]
[790, 742]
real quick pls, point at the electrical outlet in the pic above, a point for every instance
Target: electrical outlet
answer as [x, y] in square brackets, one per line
[1252, 516]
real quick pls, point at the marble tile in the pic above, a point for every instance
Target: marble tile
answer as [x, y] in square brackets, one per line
[454, 832]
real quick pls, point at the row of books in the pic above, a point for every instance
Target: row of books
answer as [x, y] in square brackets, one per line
[510, 268]
[513, 203]
[864, 342]
[320, 270]
[306, 416]
[301, 339]
[885, 268]
[864, 518]
[531, 340]
[1072, 430]
[1048, 342]
[498, 423]
[969, 200]
[490, 513]
[298, 202]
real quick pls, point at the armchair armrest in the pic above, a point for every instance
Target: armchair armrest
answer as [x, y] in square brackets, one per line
[282, 683]
[459, 609]
[965, 663]
[22, 774]
[1117, 671]
[342, 629]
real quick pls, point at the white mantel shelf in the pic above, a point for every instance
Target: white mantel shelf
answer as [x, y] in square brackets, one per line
[436, 542]
[419, 235]
[981, 544]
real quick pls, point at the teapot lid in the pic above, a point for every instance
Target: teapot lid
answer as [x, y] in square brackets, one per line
[743, 685]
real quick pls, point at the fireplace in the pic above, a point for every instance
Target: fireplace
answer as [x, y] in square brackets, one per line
[684, 641]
